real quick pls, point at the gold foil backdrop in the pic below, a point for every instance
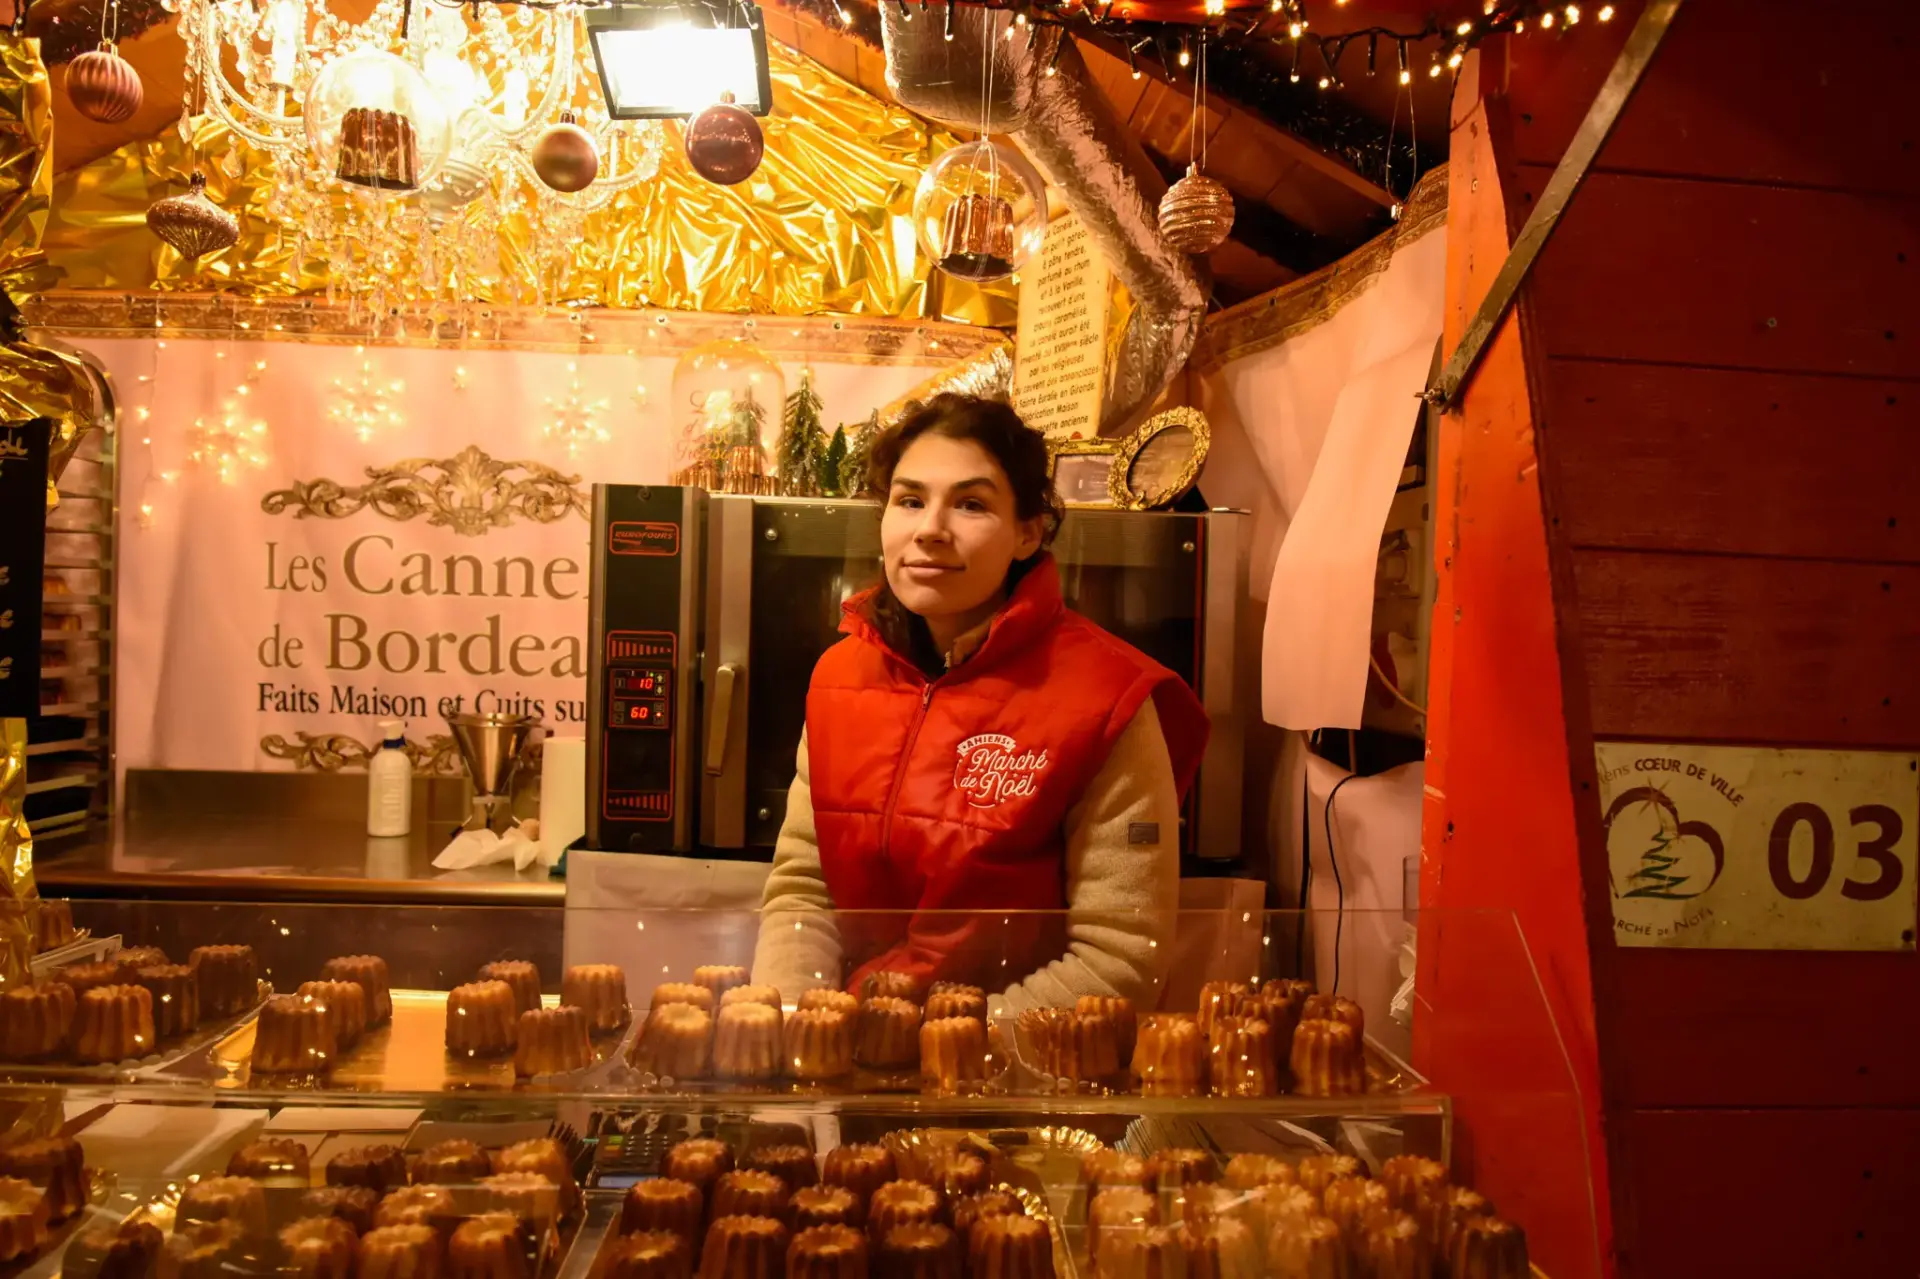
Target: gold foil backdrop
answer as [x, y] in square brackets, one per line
[823, 226]
[18, 897]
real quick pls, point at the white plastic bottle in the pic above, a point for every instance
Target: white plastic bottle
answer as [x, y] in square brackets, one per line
[390, 784]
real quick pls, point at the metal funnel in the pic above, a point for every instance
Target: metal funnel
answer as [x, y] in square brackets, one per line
[491, 746]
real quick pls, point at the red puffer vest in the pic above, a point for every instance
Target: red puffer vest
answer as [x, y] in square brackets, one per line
[952, 794]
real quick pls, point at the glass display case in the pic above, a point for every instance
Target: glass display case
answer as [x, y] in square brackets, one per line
[528, 1094]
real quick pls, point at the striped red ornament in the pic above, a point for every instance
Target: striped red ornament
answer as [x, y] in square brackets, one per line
[103, 85]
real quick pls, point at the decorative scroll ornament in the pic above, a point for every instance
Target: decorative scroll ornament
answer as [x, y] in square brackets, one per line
[336, 752]
[469, 493]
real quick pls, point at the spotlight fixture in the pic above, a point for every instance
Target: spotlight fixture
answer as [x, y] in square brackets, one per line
[663, 60]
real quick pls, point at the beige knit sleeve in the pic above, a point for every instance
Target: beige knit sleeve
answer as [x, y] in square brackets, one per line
[1123, 879]
[799, 946]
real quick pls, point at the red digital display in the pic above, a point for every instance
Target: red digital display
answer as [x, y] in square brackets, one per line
[639, 683]
[629, 712]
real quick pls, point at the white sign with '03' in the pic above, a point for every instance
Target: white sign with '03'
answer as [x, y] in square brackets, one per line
[1738, 848]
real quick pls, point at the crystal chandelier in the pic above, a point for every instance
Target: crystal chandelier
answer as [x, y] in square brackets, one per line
[410, 220]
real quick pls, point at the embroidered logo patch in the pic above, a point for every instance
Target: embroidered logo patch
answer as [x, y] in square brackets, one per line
[993, 769]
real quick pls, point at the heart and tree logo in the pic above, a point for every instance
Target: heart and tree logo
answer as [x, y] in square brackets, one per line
[1654, 854]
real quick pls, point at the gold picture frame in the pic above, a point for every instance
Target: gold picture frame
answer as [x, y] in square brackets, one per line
[1082, 472]
[1160, 461]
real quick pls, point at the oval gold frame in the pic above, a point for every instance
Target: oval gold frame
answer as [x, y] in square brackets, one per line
[1120, 479]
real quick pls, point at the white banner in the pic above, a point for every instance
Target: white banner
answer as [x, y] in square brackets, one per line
[316, 537]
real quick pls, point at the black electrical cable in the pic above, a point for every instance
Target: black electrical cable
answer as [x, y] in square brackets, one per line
[1306, 877]
[1340, 888]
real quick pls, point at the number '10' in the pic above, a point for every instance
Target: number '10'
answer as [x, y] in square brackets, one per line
[1878, 850]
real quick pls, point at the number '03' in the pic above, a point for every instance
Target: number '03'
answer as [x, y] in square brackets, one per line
[1878, 850]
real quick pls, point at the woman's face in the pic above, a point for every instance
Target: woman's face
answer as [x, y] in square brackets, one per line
[950, 533]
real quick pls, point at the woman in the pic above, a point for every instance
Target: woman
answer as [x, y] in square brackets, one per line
[971, 745]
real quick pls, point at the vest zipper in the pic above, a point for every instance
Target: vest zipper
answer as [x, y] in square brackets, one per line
[900, 771]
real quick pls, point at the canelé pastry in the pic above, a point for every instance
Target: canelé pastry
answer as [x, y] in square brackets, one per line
[967, 1211]
[901, 1203]
[719, 978]
[1244, 1172]
[379, 1167]
[345, 1005]
[1488, 1248]
[1411, 1180]
[650, 1254]
[1222, 999]
[453, 1162]
[746, 1042]
[1181, 1166]
[1335, 1008]
[955, 1172]
[1117, 1010]
[128, 1250]
[1307, 1248]
[1104, 1168]
[827, 1252]
[950, 999]
[490, 1246]
[113, 1023]
[746, 1193]
[1327, 1060]
[369, 973]
[793, 1164]
[1083, 1047]
[1391, 1248]
[480, 1019]
[545, 1156]
[676, 1042]
[680, 992]
[1241, 1060]
[35, 1021]
[1151, 1253]
[699, 1160]
[1317, 1172]
[275, 1158]
[1442, 1216]
[235, 1199]
[826, 997]
[520, 976]
[1272, 1205]
[819, 1043]
[86, 977]
[354, 1205]
[1119, 1210]
[400, 1252]
[886, 1033]
[203, 1249]
[825, 1206]
[1170, 1057]
[1219, 1248]
[229, 979]
[1009, 1246]
[1279, 1004]
[768, 995]
[744, 1248]
[23, 1219]
[1347, 1202]
[176, 997]
[599, 991]
[293, 1034]
[892, 985]
[419, 1205]
[318, 1248]
[378, 149]
[52, 924]
[131, 959]
[527, 1195]
[661, 1203]
[861, 1168]
[953, 1051]
[924, 1250]
[549, 1041]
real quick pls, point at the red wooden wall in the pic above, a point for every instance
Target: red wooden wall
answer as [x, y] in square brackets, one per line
[1720, 354]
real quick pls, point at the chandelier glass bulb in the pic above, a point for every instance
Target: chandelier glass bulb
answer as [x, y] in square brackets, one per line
[980, 211]
[375, 121]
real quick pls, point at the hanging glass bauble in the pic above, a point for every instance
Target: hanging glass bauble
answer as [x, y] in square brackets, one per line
[374, 121]
[980, 211]
[724, 143]
[192, 223]
[728, 403]
[1196, 213]
[564, 156]
[103, 85]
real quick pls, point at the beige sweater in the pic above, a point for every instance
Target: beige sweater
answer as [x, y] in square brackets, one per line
[1121, 898]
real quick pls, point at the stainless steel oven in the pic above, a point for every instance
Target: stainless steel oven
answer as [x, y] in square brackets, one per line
[708, 613]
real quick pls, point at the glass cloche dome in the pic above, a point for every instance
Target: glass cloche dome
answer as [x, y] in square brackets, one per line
[728, 403]
[980, 211]
[373, 120]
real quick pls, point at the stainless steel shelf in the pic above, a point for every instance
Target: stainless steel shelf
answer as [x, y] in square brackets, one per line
[89, 743]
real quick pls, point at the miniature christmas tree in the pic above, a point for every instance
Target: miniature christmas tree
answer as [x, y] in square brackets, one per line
[830, 463]
[853, 467]
[802, 441]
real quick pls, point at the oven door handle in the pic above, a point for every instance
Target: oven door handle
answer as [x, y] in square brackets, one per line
[720, 723]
